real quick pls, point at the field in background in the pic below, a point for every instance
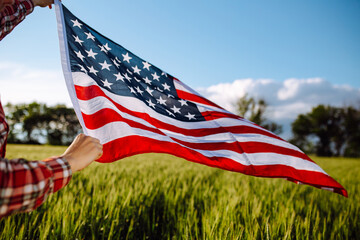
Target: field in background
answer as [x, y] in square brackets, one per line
[158, 196]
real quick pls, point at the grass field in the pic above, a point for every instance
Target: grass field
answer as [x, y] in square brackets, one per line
[157, 196]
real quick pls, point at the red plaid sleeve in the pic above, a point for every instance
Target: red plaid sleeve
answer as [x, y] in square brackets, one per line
[24, 185]
[13, 15]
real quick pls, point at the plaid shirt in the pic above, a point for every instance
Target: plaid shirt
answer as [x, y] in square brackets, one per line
[13, 15]
[25, 185]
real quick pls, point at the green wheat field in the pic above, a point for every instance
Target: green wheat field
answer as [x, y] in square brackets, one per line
[158, 196]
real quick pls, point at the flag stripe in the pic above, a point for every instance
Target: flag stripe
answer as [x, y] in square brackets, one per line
[316, 179]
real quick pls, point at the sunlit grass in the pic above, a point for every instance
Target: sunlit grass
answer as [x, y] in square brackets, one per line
[158, 196]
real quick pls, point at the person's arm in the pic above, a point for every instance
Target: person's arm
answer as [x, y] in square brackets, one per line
[25, 185]
[13, 14]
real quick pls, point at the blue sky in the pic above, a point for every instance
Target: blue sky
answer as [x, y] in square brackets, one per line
[206, 44]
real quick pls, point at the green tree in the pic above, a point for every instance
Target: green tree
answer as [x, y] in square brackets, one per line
[352, 127]
[31, 117]
[254, 111]
[36, 122]
[335, 131]
[63, 126]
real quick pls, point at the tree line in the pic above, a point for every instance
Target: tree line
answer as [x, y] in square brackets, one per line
[324, 131]
[37, 123]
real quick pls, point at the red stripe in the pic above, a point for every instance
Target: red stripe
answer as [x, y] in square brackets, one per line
[87, 93]
[132, 145]
[107, 115]
[195, 98]
[245, 147]
[212, 115]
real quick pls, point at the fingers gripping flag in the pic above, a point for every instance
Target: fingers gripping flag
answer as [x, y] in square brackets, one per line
[134, 107]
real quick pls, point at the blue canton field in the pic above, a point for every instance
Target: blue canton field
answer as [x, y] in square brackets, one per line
[157, 196]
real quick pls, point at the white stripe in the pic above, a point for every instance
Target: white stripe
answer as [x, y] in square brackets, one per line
[65, 61]
[82, 79]
[116, 130]
[229, 138]
[204, 108]
[181, 86]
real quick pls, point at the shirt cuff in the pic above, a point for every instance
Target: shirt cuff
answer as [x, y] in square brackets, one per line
[61, 170]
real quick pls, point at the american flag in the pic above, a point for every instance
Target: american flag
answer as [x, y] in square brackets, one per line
[133, 107]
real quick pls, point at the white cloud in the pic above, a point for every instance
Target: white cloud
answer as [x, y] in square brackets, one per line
[19, 84]
[286, 99]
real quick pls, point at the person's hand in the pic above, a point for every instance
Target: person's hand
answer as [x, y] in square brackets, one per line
[82, 151]
[43, 3]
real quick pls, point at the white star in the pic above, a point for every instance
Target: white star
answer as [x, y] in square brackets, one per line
[119, 77]
[115, 62]
[79, 55]
[107, 47]
[138, 80]
[160, 90]
[106, 83]
[170, 96]
[103, 49]
[151, 104]
[91, 53]
[190, 116]
[90, 36]
[155, 76]
[170, 113]
[183, 102]
[126, 57]
[175, 109]
[149, 90]
[82, 68]
[136, 69]
[146, 65]
[147, 80]
[76, 23]
[78, 40]
[139, 90]
[161, 101]
[164, 74]
[166, 87]
[132, 90]
[92, 70]
[127, 77]
[105, 65]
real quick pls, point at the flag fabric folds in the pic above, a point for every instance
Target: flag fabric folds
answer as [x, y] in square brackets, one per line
[133, 107]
